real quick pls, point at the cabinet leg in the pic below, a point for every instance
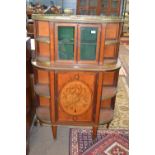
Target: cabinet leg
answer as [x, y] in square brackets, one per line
[108, 125]
[37, 122]
[54, 131]
[95, 132]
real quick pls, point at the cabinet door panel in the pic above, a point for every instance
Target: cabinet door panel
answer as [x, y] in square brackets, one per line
[88, 52]
[74, 89]
[65, 42]
[88, 43]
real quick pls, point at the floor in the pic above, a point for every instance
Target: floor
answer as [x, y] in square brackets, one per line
[41, 141]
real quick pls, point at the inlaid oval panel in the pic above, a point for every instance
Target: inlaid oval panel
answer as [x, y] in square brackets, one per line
[75, 97]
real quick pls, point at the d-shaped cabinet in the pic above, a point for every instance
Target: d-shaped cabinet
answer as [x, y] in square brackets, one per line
[76, 69]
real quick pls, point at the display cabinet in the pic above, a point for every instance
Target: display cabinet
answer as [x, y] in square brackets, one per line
[76, 69]
[99, 7]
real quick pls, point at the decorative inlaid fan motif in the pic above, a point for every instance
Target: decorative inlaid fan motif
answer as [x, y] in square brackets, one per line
[75, 97]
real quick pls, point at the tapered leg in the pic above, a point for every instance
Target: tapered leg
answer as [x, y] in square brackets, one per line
[37, 122]
[54, 131]
[95, 132]
[108, 125]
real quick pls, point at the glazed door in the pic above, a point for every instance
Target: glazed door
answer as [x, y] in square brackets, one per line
[87, 7]
[115, 8]
[110, 7]
[88, 43]
[65, 42]
[75, 94]
[105, 6]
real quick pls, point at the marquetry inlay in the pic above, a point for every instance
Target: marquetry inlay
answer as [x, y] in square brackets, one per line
[75, 98]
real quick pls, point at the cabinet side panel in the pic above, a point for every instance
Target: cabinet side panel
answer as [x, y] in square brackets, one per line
[110, 51]
[43, 28]
[112, 31]
[108, 78]
[44, 101]
[43, 49]
[43, 77]
[106, 104]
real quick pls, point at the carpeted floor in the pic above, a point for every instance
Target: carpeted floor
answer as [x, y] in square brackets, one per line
[121, 115]
[107, 142]
[41, 141]
[124, 58]
[124, 40]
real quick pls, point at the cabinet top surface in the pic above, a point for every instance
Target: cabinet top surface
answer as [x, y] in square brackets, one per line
[77, 18]
[78, 67]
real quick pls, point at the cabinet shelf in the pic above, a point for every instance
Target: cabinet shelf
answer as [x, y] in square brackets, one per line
[42, 90]
[43, 59]
[110, 61]
[108, 92]
[43, 39]
[110, 42]
[79, 67]
[43, 114]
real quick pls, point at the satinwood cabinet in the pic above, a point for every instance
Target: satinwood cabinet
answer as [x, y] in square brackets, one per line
[76, 68]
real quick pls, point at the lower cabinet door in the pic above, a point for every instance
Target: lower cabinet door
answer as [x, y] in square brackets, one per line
[75, 94]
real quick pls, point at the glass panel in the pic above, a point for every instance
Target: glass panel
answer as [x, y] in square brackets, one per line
[88, 43]
[92, 12]
[104, 3]
[114, 14]
[84, 12]
[66, 43]
[93, 2]
[104, 12]
[84, 2]
[88, 52]
[114, 4]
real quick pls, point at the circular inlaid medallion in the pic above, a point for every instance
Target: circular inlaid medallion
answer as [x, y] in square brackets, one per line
[75, 97]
